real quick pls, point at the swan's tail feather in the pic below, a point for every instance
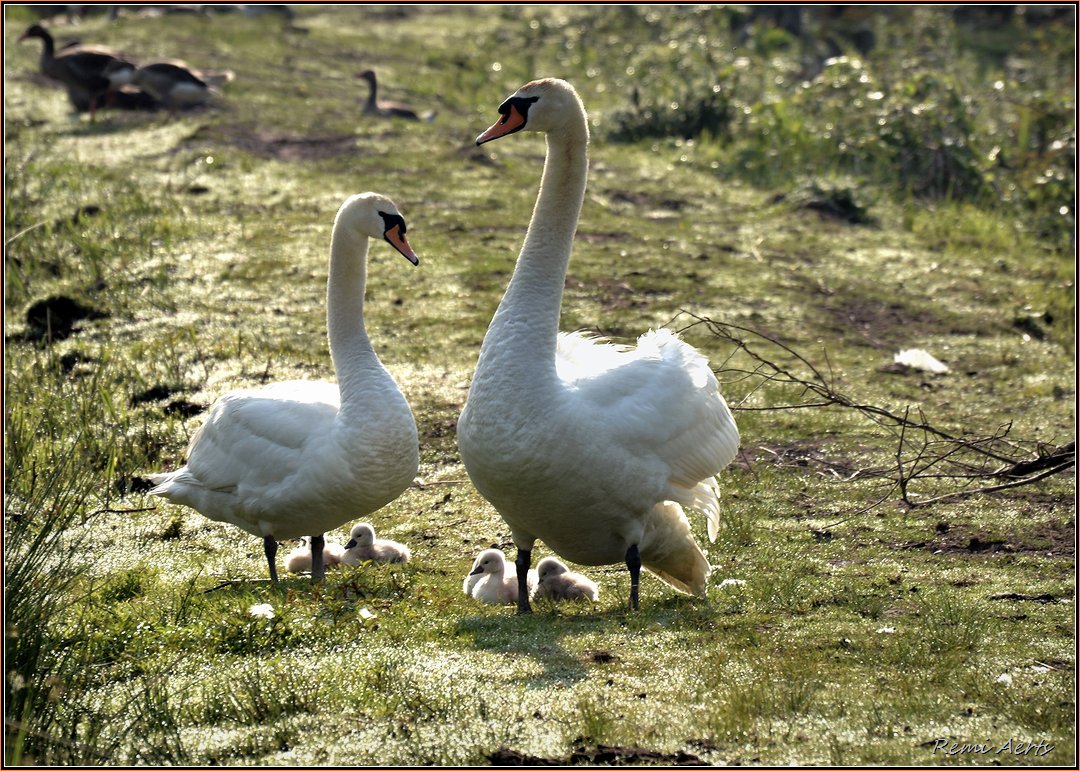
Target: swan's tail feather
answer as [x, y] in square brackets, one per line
[167, 482]
[674, 556]
[161, 482]
[689, 574]
[703, 497]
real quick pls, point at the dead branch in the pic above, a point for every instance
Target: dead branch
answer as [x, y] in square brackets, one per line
[228, 582]
[987, 489]
[123, 511]
[925, 453]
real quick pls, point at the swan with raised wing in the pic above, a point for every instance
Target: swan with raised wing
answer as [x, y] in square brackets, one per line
[590, 447]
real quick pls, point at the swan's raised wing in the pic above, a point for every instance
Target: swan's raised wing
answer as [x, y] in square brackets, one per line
[660, 398]
[258, 435]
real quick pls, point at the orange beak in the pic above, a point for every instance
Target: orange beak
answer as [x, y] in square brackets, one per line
[509, 123]
[397, 239]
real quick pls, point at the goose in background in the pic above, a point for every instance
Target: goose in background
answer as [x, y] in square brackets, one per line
[172, 83]
[383, 109]
[489, 582]
[299, 559]
[363, 545]
[80, 69]
[558, 582]
[590, 447]
[303, 457]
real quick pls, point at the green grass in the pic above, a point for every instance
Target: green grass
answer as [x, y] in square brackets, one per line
[857, 638]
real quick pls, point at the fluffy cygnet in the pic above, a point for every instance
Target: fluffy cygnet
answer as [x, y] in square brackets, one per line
[299, 559]
[490, 581]
[363, 545]
[557, 582]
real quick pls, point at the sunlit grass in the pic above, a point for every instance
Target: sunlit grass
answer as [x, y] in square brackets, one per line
[829, 636]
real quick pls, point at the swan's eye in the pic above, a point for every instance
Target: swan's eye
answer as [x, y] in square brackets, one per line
[390, 221]
[522, 103]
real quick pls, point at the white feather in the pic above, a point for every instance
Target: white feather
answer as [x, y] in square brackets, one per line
[917, 358]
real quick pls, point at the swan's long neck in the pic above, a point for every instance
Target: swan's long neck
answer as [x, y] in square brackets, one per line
[521, 340]
[350, 348]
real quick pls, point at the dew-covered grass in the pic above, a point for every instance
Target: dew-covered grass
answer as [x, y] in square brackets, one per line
[834, 632]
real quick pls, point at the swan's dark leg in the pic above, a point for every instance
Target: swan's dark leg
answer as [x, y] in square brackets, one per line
[524, 559]
[270, 547]
[633, 564]
[318, 569]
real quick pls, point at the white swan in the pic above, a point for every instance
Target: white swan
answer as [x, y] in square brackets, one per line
[363, 545]
[489, 582]
[303, 457]
[299, 559]
[557, 582]
[590, 447]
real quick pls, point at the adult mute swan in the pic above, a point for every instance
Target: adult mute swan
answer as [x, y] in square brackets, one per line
[590, 447]
[303, 457]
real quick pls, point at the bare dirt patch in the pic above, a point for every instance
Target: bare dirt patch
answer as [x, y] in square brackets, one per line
[811, 454]
[1052, 538]
[881, 325]
[57, 318]
[609, 293]
[278, 146]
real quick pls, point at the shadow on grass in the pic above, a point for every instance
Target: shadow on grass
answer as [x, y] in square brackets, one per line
[100, 127]
[547, 635]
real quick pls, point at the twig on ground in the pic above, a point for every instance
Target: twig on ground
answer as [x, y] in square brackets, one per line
[924, 451]
[235, 582]
[124, 511]
[423, 485]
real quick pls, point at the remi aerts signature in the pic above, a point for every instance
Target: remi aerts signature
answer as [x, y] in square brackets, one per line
[1008, 747]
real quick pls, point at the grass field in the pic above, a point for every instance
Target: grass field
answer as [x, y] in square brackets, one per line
[917, 195]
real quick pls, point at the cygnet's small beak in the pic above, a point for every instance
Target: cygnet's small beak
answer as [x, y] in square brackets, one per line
[350, 544]
[477, 570]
